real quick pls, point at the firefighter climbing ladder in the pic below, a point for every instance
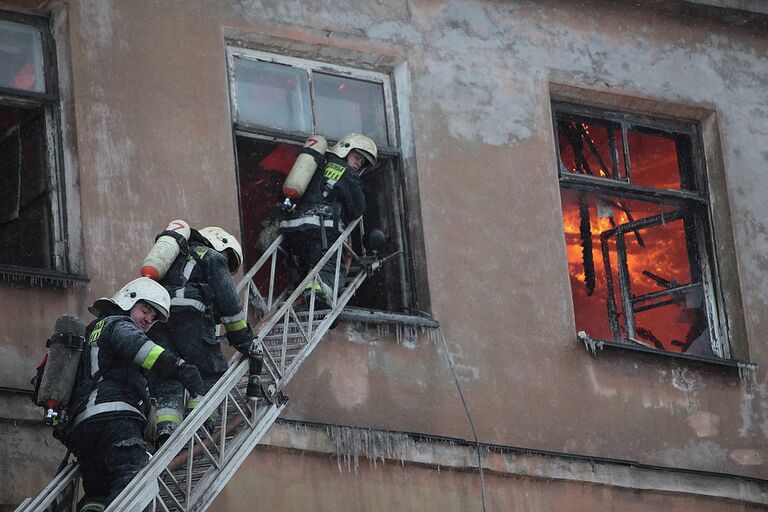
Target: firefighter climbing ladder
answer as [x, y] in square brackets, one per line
[175, 481]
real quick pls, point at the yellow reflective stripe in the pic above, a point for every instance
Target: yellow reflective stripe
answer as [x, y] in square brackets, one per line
[151, 358]
[92, 507]
[193, 404]
[96, 332]
[315, 286]
[201, 251]
[168, 418]
[236, 326]
[334, 171]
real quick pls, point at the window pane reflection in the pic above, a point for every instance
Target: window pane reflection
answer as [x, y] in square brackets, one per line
[273, 96]
[345, 105]
[21, 57]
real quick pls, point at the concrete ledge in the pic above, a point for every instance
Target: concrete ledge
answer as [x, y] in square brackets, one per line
[755, 6]
[350, 444]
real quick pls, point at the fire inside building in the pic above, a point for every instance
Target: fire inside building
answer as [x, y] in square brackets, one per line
[553, 300]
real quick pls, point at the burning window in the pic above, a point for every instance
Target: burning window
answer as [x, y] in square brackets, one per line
[637, 231]
[277, 103]
[31, 200]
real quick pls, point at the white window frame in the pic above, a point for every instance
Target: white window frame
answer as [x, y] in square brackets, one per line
[311, 66]
[414, 290]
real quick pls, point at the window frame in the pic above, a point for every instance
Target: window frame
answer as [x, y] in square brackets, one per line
[310, 67]
[697, 203]
[64, 270]
[410, 298]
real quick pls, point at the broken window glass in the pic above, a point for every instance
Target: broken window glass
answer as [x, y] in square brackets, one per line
[591, 148]
[655, 160]
[21, 57]
[637, 256]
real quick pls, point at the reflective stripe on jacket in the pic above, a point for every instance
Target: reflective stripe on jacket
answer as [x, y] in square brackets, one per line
[111, 381]
[201, 282]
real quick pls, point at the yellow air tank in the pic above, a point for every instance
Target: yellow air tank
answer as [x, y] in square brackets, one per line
[304, 168]
[164, 251]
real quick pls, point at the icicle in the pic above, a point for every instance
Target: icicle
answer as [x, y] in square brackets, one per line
[374, 445]
[590, 344]
[748, 374]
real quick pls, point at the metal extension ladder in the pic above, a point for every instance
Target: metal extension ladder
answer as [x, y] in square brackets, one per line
[175, 481]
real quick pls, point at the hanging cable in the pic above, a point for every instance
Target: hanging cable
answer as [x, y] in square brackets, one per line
[449, 358]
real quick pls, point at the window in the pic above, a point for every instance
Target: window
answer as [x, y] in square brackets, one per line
[277, 103]
[31, 201]
[638, 233]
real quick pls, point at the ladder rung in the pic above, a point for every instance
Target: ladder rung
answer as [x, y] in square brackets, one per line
[293, 326]
[279, 336]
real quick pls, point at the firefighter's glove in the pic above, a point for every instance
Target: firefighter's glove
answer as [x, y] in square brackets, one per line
[241, 340]
[242, 347]
[190, 378]
[255, 358]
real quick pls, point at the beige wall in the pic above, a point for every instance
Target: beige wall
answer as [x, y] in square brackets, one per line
[152, 141]
[288, 482]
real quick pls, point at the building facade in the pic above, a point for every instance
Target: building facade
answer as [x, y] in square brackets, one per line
[574, 190]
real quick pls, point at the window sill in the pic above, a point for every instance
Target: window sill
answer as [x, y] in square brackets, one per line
[593, 345]
[372, 316]
[40, 277]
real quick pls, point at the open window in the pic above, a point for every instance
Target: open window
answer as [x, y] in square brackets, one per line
[277, 103]
[31, 197]
[638, 233]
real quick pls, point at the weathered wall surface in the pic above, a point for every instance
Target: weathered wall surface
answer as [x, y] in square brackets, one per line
[289, 481]
[154, 142]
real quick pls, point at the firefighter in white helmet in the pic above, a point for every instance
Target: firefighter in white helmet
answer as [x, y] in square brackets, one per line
[203, 294]
[105, 431]
[334, 198]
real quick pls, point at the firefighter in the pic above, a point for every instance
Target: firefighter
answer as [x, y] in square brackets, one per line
[105, 432]
[203, 294]
[334, 198]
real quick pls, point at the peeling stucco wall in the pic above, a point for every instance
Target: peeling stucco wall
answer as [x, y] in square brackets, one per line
[154, 142]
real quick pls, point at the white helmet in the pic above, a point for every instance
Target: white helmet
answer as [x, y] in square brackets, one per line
[221, 241]
[143, 288]
[361, 143]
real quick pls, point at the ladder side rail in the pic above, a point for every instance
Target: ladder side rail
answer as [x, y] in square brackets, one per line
[147, 477]
[320, 331]
[190, 464]
[125, 501]
[218, 481]
[224, 415]
[260, 262]
[275, 318]
[215, 481]
[272, 274]
[53, 490]
[336, 275]
[238, 448]
[284, 351]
